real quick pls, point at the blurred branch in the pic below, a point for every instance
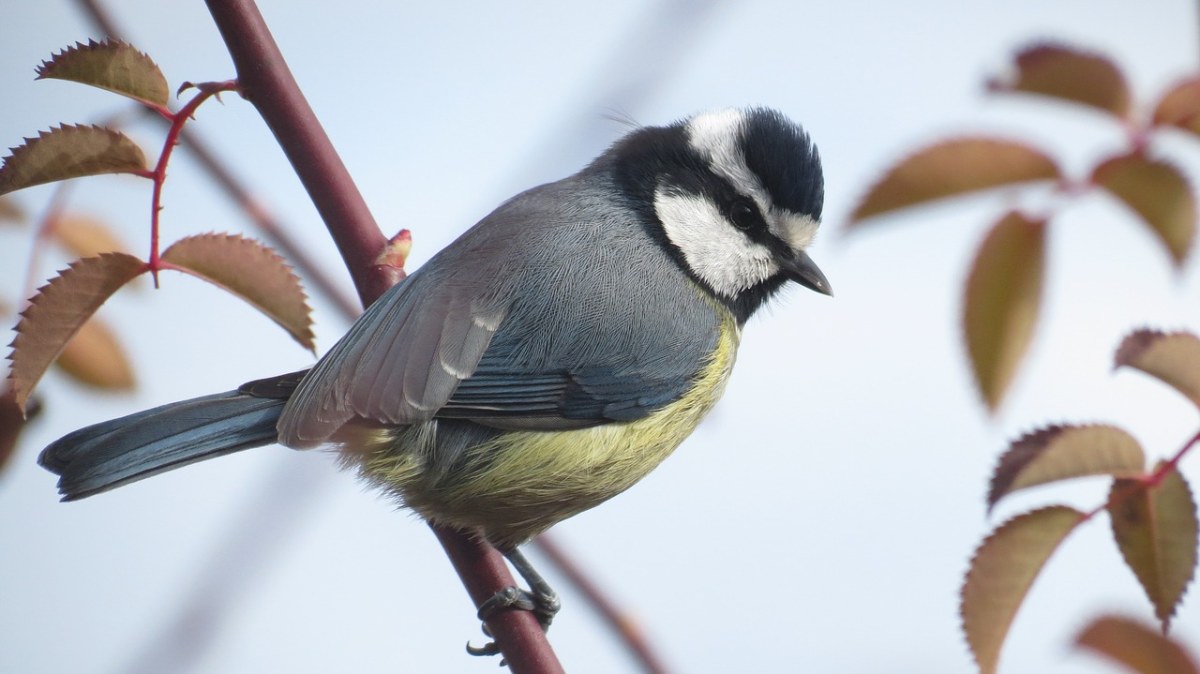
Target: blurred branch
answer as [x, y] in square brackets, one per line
[627, 631]
[266, 522]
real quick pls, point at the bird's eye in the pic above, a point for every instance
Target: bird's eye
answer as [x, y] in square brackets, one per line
[743, 214]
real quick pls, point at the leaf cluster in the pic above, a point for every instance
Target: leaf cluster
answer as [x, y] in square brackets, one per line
[1151, 509]
[1003, 294]
[58, 324]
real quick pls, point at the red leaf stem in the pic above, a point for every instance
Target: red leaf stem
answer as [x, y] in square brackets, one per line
[159, 174]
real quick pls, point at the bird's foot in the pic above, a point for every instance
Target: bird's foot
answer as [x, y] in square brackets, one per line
[544, 605]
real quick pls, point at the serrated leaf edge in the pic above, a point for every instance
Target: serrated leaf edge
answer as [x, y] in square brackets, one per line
[1164, 618]
[15, 153]
[22, 392]
[306, 338]
[44, 70]
[972, 566]
[998, 491]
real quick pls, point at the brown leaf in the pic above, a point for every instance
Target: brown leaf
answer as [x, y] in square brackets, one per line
[10, 211]
[111, 65]
[1002, 571]
[1141, 649]
[1171, 357]
[84, 236]
[1063, 452]
[1000, 308]
[69, 152]
[1155, 528]
[251, 271]
[95, 357]
[1180, 106]
[58, 310]
[952, 168]
[1156, 191]
[1069, 75]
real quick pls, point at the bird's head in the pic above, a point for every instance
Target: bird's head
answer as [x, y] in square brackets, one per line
[735, 196]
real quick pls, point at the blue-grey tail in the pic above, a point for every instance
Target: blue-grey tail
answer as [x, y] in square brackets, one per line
[110, 454]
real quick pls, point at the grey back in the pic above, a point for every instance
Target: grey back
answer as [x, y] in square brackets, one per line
[557, 310]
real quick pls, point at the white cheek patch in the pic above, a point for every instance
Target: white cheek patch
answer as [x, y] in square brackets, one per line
[714, 250]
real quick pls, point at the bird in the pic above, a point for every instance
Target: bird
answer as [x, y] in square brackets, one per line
[543, 362]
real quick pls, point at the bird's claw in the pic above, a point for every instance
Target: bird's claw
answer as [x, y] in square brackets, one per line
[543, 606]
[509, 597]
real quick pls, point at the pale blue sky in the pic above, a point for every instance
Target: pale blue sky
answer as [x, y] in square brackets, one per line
[819, 521]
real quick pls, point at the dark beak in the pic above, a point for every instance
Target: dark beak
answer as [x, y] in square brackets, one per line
[801, 269]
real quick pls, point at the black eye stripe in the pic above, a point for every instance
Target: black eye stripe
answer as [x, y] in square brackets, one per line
[743, 212]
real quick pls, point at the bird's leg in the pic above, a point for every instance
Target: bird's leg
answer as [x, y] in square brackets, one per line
[540, 598]
[544, 598]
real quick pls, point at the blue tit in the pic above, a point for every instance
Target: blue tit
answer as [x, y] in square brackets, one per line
[543, 362]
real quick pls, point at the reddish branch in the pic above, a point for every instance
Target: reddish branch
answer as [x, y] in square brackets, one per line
[266, 82]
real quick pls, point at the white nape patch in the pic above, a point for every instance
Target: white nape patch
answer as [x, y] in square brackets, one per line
[720, 254]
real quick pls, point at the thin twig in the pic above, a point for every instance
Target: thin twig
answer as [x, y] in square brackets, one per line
[159, 174]
[626, 628]
[248, 549]
[1148, 481]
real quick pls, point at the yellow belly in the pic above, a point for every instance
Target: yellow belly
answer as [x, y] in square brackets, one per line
[530, 480]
